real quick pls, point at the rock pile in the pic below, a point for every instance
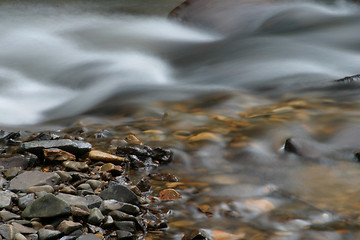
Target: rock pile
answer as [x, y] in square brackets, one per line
[52, 188]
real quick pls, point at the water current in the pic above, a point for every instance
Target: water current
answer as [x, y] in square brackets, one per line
[226, 89]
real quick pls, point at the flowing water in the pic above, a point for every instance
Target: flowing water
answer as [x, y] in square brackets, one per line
[224, 91]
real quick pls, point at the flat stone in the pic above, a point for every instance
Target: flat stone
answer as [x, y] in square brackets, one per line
[44, 188]
[93, 201]
[23, 229]
[7, 231]
[46, 207]
[26, 200]
[15, 161]
[120, 193]
[79, 212]
[45, 234]
[64, 176]
[72, 200]
[95, 217]
[67, 227]
[111, 204]
[76, 166]
[72, 146]
[124, 235]
[6, 215]
[96, 156]
[88, 236]
[12, 172]
[33, 178]
[56, 154]
[128, 226]
[5, 199]
[121, 216]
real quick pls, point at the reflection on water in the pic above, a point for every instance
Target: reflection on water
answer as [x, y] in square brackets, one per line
[225, 100]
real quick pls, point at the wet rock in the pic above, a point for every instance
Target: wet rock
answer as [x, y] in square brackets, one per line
[76, 166]
[19, 236]
[108, 222]
[119, 193]
[25, 200]
[164, 177]
[45, 234]
[115, 170]
[143, 152]
[56, 154]
[15, 161]
[46, 207]
[121, 216]
[95, 217]
[89, 236]
[68, 190]
[7, 231]
[197, 234]
[44, 188]
[128, 226]
[95, 184]
[23, 229]
[72, 200]
[79, 212]
[111, 204]
[5, 199]
[67, 227]
[72, 146]
[6, 215]
[204, 136]
[64, 176]
[131, 139]
[93, 201]
[96, 156]
[12, 172]
[169, 195]
[144, 185]
[124, 235]
[33, 178]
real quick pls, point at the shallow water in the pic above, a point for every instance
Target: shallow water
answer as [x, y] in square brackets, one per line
[224, 98]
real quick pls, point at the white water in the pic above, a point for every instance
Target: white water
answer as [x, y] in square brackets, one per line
[57, 63]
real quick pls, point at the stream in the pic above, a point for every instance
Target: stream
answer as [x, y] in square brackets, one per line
[245, 94]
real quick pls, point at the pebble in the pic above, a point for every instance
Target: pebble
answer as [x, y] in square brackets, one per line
[96, 156]
[32, 178]
[76, 166]
[95, 217]
[89, 236]
[79, 212]
[15, 161]
[56, 154]
[67, 227]
[93, 201]
[12, 172]
[19, 236]
[124, 235]
[45, 234]
[23, 229]
[204, 136]
[7, 231]
[46, 207]
[169, 194]
[26, 200]
[44, 188]
[73, 200]
[120, 193]
[6, 215]
[72, 146]
[128, 226]
[5, 199]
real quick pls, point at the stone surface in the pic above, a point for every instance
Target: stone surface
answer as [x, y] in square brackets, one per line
[72, 200]
[95, 217]
[124, 235]
[15, 161]
[89, 236]
[119, 193]
[56, 154]
[95, 184]
[45, 234]
[128, 226]
[46, 207]
[67, 227]
[26, 200]
[6, 215]
[79, 212]
[33, 178]
[5, 199]
[75, 147]
[96, 155]
[169, 194]
[12, 172]
[44, 188]
[7, 231]
[19, 236]
[64, 176]
[76, 166]
[23, 229]
[111, 204]
[93, 201]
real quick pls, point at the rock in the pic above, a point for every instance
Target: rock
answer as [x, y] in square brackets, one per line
[64, 176]
[121, 216]
[93, 201]
[164, 177]
[56, 154]
[128, 226]
[95, 217]
[6, 215]
[44, 188]
[198, 234]
[85, 186]
[19, 236]
[67, 227]
[7, 231]
[124, 235]
[68, 190]
[45, 234]
[15, 161]
[72, 200]
[33, 178]
[26, 200]
[12, 172]
[5, 199]
[169, 194]
[95, 184]
[204, 136]
[46, 207]
[76, 166]
[144, 185]
[108, 222]
[111, 204]
[96, 156]
[79, 212]
[131, 139]
[120, 193]
[75, 147]
[32, 236]
[88, 236]
[23, 229]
